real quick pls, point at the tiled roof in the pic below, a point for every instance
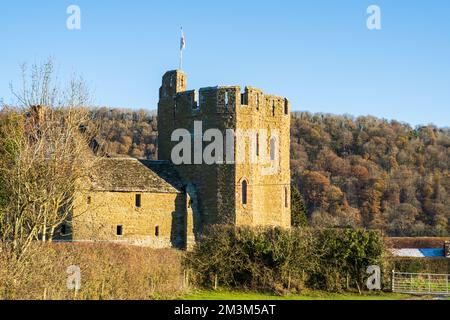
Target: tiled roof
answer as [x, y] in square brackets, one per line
[132, 175]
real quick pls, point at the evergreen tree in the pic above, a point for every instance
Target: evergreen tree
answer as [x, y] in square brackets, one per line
[298, 208]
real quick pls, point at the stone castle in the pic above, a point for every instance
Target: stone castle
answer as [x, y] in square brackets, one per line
[166, 204]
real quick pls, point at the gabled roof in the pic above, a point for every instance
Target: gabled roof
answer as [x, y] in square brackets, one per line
[132, 175]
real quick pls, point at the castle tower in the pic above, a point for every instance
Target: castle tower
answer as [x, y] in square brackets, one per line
[249, 185]
[173, 82]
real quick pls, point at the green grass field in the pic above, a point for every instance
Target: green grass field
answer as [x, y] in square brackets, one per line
[308, 295]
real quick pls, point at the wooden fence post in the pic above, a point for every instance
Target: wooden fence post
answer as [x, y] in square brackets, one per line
[186, 278]
[393, 281]
[215, 282]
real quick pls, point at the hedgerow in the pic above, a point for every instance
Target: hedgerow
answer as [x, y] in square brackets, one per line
[282, 261]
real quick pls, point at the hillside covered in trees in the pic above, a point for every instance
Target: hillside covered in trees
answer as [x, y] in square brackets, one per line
[364, 172]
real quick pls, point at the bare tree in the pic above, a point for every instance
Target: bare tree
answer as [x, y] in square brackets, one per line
[44, 155]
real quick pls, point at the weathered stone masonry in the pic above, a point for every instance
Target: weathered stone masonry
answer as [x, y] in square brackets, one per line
[219, 186]
[159, 204]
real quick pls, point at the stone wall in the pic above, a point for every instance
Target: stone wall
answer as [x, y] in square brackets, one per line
[160, 222]
[268, 190]
[214, 183]
[219, 186]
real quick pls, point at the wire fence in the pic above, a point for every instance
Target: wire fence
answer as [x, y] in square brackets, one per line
[421, 283]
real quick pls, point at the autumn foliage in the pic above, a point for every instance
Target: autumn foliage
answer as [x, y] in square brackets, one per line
[363, 172]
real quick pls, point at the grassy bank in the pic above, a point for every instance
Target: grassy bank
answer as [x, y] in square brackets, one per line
[107, 272]
[307, 295]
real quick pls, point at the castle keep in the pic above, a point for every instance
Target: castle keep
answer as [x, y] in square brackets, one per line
[162, 203]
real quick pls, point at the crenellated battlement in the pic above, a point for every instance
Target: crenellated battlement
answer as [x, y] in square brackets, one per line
[219, 99]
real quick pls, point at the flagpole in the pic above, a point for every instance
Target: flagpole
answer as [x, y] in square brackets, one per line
[181, 59]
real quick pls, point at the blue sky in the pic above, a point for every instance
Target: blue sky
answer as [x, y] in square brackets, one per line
[319, 54]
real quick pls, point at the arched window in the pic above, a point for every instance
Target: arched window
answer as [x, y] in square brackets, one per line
[244, 192]
[273, 109]
[286, 197]
[273, 148]
[175, 107]
[257, 144]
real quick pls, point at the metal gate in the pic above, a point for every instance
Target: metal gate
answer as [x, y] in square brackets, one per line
[421, 283]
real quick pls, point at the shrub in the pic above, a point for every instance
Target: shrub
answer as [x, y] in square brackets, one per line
[419, 265]
[280, 261]
[346, 254]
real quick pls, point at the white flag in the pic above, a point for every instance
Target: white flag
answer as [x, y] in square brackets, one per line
[182, 42]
